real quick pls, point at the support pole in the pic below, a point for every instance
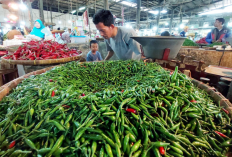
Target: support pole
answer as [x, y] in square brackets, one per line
[170, 25]
[122, 14]
[41, 10]
[51, 16]
[158, 18]
[51, 13]
[30, 14]
[138, 14]
[106, 5]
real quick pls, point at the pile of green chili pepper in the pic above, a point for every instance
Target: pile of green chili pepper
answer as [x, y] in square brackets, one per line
[189, 42]
[215, 43]
[115, 108]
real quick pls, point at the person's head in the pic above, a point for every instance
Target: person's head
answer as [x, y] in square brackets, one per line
[69, 30]
[58, 28]
[93, 45]
[219, 22]
[104, 22]
[186, 28]
[165, 33]
[38, 24]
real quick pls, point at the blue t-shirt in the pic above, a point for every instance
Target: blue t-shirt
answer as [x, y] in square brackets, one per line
[182, 34]
[94, 57]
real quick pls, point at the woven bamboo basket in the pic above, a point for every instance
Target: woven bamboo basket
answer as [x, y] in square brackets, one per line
[42, 62]
[218, 97]
[190, 47]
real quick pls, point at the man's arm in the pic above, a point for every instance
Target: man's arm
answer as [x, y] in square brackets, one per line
[208, 38]
[110, 54]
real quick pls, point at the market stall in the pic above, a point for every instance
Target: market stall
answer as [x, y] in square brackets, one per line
[130, 115]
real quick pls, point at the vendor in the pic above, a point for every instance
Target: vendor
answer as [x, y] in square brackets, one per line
[38, 26]
[182, 34]
[12, 33]
[117, 39]
[219, 33]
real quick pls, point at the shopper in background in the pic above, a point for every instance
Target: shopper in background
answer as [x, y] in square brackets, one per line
[94, 55]
[182, 34]
[66, 36]
[165, 33]
[117, 39]
[219, 33]
[12, 33]
[38, 26]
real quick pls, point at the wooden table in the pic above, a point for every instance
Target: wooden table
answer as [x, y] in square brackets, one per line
[221, 72]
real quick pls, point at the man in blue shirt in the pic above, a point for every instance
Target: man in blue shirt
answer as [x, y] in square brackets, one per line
[219, 33]
[94, 55]
[182, 34]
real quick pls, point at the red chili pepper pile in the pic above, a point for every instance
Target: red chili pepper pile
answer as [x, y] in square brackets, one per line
[42, 50]
[202, 41]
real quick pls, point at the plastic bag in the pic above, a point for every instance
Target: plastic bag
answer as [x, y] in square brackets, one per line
[47, 33]
[58, 39]
[33, 37]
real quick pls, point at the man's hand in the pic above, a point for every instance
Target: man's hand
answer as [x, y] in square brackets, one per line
[219, 40]
[110, 54]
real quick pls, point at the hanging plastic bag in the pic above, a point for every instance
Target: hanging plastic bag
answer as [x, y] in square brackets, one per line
[48, 34]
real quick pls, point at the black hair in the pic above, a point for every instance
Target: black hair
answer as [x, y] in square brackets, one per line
[93, 42]
[104, 16]
[165, 33]
[58, 28]
[13, 27]
[222, 20]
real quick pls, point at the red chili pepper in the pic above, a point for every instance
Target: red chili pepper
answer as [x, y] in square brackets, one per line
[53, 93]
[171, 73]
[162, 150]
[122, 91]
[82, 94]
[66, 106]
[227, 112]
[221, 134]
[131, 110]
[193, 101]
[132, 143]
[138, 81]
[50, 80]
[12, 144]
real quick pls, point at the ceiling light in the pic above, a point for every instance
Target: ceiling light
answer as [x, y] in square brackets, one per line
[131, 4]
[22, 23]
[192, 26]
[23, 6]
[153, 12]
[154, 28]
[145, 9]
[13, 6]
[73, 11]
[182, 26]
[166, 24]
[164, 11]
[176, 29]
[5, 19]
[206, 25]
[13, 17]
[59, 22]
[81, 8]
[69, 21]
